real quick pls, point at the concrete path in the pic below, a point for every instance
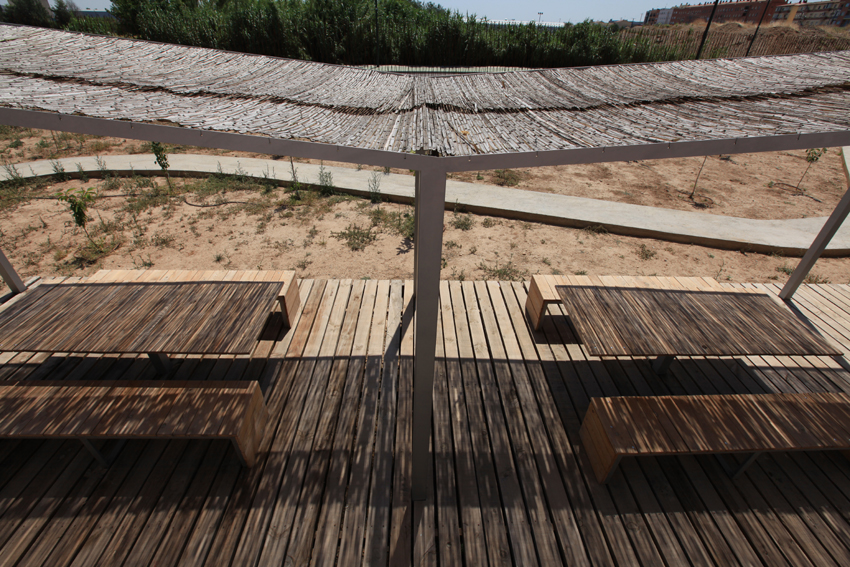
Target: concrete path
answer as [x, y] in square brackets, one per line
[788, 237]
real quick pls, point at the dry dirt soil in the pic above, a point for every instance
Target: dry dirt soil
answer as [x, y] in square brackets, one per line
[217, 223]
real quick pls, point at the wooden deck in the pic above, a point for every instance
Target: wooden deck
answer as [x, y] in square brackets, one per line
[513, 485]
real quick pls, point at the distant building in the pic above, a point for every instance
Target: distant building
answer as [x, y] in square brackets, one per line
[815, 13]
[659, 17]
[729, 11]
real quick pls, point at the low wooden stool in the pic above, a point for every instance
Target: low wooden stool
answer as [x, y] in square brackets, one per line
[289, 298]
[541, 293]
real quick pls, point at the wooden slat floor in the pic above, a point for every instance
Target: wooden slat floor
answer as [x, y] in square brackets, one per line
[513, 485]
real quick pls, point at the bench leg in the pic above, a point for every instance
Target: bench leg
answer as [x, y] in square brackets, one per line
[161, 362]
[735, 472]
[662, 364]
[104, 460]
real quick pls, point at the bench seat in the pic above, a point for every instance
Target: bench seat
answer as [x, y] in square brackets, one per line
[619, 427]
[90, 410]
[541, 294]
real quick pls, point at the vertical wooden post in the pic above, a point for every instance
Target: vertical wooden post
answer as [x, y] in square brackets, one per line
[833, 223]
[428, 247]
[10, 276]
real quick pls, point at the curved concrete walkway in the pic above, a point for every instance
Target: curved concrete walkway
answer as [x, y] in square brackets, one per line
[787, 237]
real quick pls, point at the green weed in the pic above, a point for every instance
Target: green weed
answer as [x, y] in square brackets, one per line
[355, 237]
[503, 272]
[813, 278]
[645, 252]
[462, 222]
[507, 177]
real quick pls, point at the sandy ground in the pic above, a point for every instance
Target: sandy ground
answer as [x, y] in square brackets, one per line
[251, 227]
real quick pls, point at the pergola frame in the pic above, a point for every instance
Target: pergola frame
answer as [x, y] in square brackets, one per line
[431, 174]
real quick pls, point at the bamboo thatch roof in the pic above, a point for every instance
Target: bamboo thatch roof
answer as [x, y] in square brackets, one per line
[552, 109]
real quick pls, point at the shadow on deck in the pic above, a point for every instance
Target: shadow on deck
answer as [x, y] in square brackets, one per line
[512, 483]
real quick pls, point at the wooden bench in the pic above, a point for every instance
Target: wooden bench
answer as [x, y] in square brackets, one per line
[619, 427]
[541, 293]
[289, 298]
[93, 410]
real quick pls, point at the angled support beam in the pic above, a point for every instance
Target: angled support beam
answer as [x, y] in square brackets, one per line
[428, 246]
[833, 223]
[662, 364]
[734, 471]
[161, 362]
[10, 276]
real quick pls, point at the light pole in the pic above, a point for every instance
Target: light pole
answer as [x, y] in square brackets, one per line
[539, 16]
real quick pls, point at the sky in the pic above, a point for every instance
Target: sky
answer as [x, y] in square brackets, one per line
[553, 10]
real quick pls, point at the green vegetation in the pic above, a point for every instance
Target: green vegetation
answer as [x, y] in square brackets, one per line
[401, 223]
[812, 157]
[785, 269]
[645, 252]
[95, 248]
[355, 237]
[79, 201]
[814, 278]
[503, 272]
[375, 187]
[344, 32]
[33, 13]
[462, 222]
[506, 177]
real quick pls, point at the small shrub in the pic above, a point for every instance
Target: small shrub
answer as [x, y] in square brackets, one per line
[355, 237]
[375, 187]
[488, 222]
[160, 156]
[507, 177]
[13, 176]
[402, 223]
[645, 252]
[459, 276]
[812, 157]
[82, 173]
[814, 278]
[302, 264]
[78, 202]
[97, 146]
[580, 272]
[462, 222]
[58, 171]
[326, 182]
[785, 269]
[595, 229]
[503, 272]
[94, 250]
[16, 143]
[162, 240]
